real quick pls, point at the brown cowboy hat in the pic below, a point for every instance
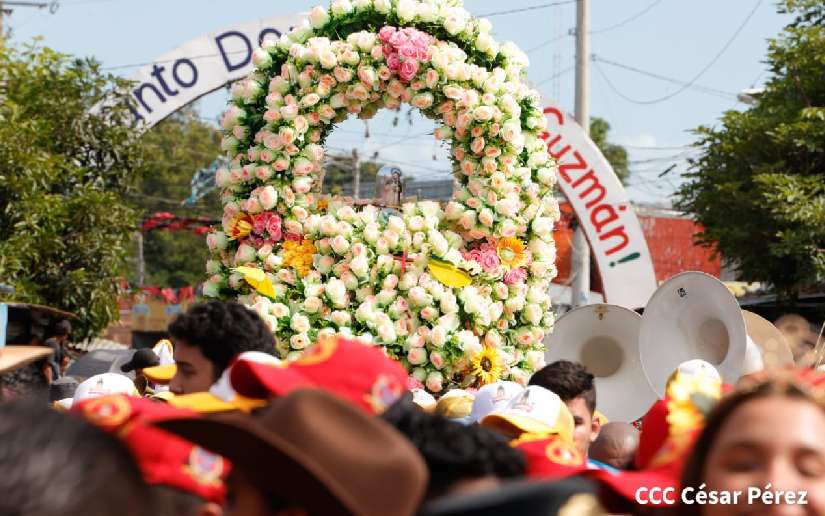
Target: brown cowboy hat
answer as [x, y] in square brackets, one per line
[14, 357]
[315, 451]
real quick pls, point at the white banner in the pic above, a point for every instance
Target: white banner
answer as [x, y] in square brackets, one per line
[198, 67]
[604, 211]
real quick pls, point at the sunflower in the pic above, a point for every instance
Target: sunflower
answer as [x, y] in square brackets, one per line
[487, 366]
[241, 226]
[511, 252]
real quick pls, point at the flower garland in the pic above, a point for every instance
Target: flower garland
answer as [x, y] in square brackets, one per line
[457, 293]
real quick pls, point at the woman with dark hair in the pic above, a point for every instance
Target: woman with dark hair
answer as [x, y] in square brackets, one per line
[763, 446]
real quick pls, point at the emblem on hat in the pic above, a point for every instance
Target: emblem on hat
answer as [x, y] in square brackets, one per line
[385, 391]
[204, 467]
[107, 411]
[562, 453]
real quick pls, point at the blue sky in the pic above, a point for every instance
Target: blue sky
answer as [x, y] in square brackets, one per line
[673, 38]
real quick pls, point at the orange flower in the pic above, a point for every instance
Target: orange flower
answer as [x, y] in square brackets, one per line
[298, 255]
[241, 226]
[511, 252]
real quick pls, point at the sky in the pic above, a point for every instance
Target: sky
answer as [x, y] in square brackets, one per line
[723, 41]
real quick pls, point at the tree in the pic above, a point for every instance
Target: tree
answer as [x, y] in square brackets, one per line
[616, 155]
[64, 170]
[758, 187]
[175, 149]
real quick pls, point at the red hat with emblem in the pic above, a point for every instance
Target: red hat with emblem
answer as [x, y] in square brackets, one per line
[356, 372]
[163, 458]
[550, 457]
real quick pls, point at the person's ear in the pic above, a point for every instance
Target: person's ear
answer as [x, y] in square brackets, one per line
[210, 509]
[595, 427]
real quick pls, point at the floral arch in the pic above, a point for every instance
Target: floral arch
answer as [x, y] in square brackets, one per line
[457, 293]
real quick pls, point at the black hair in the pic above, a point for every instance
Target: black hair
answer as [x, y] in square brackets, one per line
[56, 464]
[62, 328]
[27, 382]
[221, 330]
[568, 380]
[452, 451]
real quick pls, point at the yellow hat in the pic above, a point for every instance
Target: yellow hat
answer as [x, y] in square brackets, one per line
[536, 410]
[455, 404]
[162, 396]
[161, 374]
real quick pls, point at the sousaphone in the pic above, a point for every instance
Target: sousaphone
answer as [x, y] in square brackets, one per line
[691, 315]
[604, 338]
[771, 342]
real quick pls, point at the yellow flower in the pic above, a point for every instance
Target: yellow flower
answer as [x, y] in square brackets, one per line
[298, 255]
[487, 366]
[241, 226]
[511, 252]
[683, 415]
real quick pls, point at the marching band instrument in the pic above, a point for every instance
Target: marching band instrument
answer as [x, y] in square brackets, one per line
[605, 339]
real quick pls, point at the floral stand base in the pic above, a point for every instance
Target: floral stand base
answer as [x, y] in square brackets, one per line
[457, 293]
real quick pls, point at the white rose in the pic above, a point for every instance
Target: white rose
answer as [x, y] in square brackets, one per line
[417, 356]
[341, 318]
[340, 245]
[341, 7]
[385, 297]
[386, 332]
[335, 289]
[406, 10]
[299, 341]
[279, 310]
[382, 6]
[359, 266]
[312, 305]
[299, 323]
[532, 314]
[318, 17]
[438, 336]
[327, 59]
[454, 24]
[435, 382]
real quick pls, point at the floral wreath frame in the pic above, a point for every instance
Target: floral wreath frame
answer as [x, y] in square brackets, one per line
[459, 294]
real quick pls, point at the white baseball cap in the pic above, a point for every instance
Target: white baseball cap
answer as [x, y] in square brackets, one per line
[104, 385]
[492, 397]
[535, 410]
[698, 367]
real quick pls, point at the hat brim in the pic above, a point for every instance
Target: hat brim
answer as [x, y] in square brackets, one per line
[261, 381]
[208, 403]
[162, 374]
[263, 456]
[15, 357]
[522, 424]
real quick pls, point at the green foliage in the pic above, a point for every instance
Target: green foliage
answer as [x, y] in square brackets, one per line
[63, 171]
[616, 155]
[758, 187]
[175, 149]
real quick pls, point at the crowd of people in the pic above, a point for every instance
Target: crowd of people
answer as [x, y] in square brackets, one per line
[229, 429]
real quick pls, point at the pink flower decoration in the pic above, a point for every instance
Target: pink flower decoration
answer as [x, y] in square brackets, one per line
[407, 70]
[514, 276]
[294, 237]
[489, 261]
[399, 39]
[408, 51]
[273, 227]
[386, 33]
[413, 383]
[393, 61]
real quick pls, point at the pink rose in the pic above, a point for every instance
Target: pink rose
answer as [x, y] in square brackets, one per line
[514, 276]
[393, 61]
[293, 237]
[386, 33]
[408, 52]
[489, 261]
[398, 39]
[273, 227]
[412, 382]
[407, 70]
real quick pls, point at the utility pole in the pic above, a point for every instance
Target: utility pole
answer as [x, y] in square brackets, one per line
[356, 177]
[581, 249]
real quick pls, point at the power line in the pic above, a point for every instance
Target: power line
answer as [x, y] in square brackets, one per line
[712, 91]
[557, 74]
[525, 9]
[691, 82]
[627, 20]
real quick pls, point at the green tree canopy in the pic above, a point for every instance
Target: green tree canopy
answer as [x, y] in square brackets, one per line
[615, 154]
[758, 187]
[64, 226]
[176, 149]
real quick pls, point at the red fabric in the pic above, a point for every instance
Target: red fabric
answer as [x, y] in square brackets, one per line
[163, 458]
[551, 458]
[361, 374]
[654, 433]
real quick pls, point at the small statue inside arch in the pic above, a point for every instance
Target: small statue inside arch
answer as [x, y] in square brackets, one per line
[389, 187]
